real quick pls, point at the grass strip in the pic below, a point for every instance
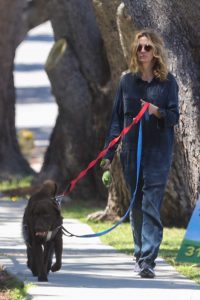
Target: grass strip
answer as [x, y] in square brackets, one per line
[11, 288]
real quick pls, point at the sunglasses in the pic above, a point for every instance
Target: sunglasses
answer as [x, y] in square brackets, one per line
[146, 47]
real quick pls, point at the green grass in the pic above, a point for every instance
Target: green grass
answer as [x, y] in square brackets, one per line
[16, 188]
[15, 183]
[121, 239]
[11, 288]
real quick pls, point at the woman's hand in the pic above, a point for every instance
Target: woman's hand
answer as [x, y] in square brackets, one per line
[152, 110]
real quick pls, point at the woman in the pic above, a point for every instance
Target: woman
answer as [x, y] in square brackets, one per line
[148, 80]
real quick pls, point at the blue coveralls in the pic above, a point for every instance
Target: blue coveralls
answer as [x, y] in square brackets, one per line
[156, 160]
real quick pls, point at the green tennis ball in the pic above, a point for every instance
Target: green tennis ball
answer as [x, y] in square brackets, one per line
[106, 178]
[102, 163]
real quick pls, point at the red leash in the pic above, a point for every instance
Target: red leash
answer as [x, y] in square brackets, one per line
[103, 152]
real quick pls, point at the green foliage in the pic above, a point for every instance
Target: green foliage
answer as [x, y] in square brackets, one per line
[26, 142]
[11, 286]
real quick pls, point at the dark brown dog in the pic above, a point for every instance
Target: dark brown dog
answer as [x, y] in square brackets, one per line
[42, 231]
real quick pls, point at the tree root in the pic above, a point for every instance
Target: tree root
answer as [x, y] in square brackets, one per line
[103, 215]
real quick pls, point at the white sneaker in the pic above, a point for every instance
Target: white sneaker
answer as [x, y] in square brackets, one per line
[136, 268]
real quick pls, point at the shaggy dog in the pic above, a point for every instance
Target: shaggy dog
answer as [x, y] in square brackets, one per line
[42, 231]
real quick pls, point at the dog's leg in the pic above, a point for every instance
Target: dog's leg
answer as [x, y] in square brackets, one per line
[30, 261]
[50, 258]
[48, 255]
[27, 239]
[58, 242]
[39, 260]
[31, 257]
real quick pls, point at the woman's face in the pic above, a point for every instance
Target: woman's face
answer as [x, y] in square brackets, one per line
[144, 50]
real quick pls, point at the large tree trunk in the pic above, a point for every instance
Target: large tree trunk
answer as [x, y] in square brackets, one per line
[79, 73]
[106, 15]
[71, 142]
[12, 162]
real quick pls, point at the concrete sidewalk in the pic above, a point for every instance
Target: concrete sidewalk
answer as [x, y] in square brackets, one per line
[90, 269]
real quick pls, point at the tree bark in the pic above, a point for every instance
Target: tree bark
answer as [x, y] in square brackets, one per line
[12, 162]
[106, 15]
[79, 80]
[35, 13]
[71, 141]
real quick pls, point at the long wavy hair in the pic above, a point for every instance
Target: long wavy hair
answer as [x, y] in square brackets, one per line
[160, 70]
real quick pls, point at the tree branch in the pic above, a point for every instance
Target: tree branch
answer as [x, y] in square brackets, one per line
[35, 12]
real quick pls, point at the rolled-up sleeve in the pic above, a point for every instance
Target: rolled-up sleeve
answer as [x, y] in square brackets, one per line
[116, 123]
[170, 114]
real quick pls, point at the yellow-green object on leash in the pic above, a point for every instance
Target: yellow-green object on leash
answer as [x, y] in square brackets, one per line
[107, 178]
[102, 163]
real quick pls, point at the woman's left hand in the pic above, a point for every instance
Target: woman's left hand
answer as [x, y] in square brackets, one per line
[152, 110]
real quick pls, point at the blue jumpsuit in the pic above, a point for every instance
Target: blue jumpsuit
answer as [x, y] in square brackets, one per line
[157, 147]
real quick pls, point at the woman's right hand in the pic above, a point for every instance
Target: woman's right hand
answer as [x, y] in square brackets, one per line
[105, 164]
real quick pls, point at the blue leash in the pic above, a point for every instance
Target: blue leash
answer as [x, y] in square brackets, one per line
[139, 154]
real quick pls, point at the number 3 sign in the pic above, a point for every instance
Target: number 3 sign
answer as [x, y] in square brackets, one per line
[190, 248]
